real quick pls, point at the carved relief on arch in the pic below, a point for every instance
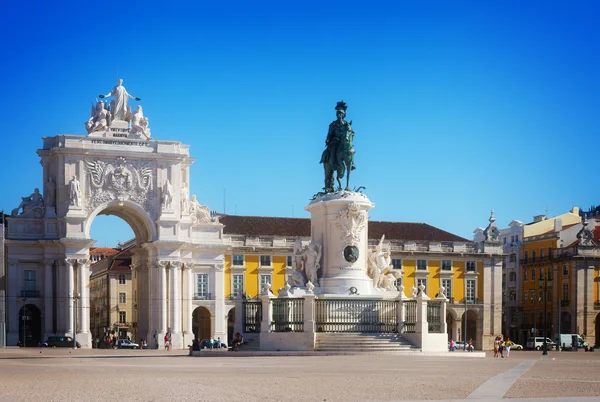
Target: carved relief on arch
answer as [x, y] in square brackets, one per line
[121, 180]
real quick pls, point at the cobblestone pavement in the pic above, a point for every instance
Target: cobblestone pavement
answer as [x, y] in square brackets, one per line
[144, 375]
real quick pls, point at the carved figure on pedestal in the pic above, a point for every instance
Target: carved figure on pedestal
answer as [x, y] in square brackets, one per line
[313, 262]
[296, 278]
[185, 199]
[167, 195]
[139, 123]
[99, 118]
[74, 192]
[32, 206]
[339, 155]
[50, 192]
[378, 262]
[201, 213]
[119, 107]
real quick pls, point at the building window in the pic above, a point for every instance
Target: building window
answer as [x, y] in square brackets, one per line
[122, 279]
[446, 265]
[447, 283]
[525, 275]
[533, 299]
[238, 260]
[265, 260]
[565, 270]
[512, 276]
[397, 264]
[549, 252]
[526, 255]
[471, 266]
[122, 317]
[541, 254]
[512, 258]
[541, 295]
[122, 298]
[532, 256]
[525, 295]
[29, 279]
[264, 279]
[533, 274]
[422, 265]
[470, 290]
[202, 286]
[238, 285]
[422, 281]
[565, 291]
[288, 261]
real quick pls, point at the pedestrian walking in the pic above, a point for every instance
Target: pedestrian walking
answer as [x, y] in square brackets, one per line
[501, 348]
[496, 346]
[507, 344]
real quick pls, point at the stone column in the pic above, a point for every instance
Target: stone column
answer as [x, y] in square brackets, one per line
[83, 304]
[309, 313]
[161, 303]
[220, 327]
[69, 289]
[401, 314]
[13, 293]
[188, 291]
[422, 326]
[48, 299]
[267, 313]
[175, 304]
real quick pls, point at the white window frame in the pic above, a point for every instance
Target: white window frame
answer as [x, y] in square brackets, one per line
[124, 281]
[289, 261]
[398, 266]
[467, 263]
[565, 291]
[233, 260]
[260, 260]
[198, 293]
[122, 297]
[422, 269]
[565, 270]
[233, 285]
[442, 265]
[28, 283]
[473, 297]
[122, 317]
[447, 281]
[260, 280]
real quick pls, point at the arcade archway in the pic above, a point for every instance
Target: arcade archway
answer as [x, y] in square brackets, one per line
[201, 325]
[30, 325]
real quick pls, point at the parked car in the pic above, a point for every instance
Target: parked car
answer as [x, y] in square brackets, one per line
[516, 346]
[126, 344]
[59, 342]
[537, 343]
[206, 344]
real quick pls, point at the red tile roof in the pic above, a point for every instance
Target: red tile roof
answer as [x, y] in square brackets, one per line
[103, 251]
[300, 227]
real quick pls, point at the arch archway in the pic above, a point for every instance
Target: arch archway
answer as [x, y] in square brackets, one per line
[30, 325]
[138, 219]
[597, 327]
[452, 321]
[201, 325]
[472, 327]
[230, 325]
[565, 323]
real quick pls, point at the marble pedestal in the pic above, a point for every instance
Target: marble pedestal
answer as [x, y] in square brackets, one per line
[339, 222]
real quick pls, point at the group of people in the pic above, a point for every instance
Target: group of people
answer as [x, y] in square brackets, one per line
[468, 347]
[502, 346]
[168, 343]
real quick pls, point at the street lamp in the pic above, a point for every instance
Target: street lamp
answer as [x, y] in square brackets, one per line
[544, 281]
[75, 298]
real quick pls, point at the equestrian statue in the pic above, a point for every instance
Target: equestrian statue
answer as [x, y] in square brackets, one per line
[339, 155]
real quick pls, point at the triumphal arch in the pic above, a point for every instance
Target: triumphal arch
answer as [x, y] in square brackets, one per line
[118, 169]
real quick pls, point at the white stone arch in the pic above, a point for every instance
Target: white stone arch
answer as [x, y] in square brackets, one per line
[135, 215]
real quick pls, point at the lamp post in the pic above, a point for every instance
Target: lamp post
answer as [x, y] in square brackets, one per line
[24, 299]
[75, 298]
[544, 281]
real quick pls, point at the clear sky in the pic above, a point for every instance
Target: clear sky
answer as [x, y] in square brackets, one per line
[458, 107]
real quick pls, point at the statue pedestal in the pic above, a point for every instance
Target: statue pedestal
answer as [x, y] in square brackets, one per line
[339, 222]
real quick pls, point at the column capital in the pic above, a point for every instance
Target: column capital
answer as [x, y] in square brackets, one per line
[187, 265]
[163, 264]
[82, 261]
[70, 261]
[175, 264]
[49, 262]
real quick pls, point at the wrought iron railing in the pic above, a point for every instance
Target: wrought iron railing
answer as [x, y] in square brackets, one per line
[434, 319]
[251, 316]
[343, 315]
[203, 296]
[288, 315]
[410, 316]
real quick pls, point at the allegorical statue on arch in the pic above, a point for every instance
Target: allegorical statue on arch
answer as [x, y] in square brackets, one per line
[115, 118]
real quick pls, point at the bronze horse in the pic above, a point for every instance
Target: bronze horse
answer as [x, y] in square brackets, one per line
[343, 163]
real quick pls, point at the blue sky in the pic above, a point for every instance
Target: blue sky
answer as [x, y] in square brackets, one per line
[458, 107]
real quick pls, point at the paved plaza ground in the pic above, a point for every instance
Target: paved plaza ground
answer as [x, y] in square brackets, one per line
[35, 374]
